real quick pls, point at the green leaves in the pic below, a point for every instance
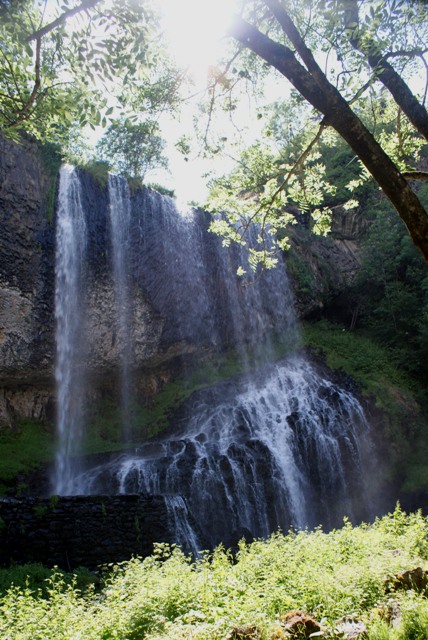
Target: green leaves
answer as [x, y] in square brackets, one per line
[329, 575]
[132, 146]
[64, 85]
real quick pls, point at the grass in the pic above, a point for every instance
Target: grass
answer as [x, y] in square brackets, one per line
[369, 363]
[22, 449]
[374, 368]
[156, 418]
[168, 596]
[104, 429]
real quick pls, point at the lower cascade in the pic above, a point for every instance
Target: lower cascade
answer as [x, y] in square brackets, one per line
[278, 450]
[278, 445]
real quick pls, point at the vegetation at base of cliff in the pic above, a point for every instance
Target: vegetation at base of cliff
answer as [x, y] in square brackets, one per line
[30, 444]
[22, 449]
[104, 431]
[350, 572]
[368, 362]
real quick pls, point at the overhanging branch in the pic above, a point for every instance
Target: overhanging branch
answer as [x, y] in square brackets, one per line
[83, 6]
[327, 99]
[384, 71]
[416, 175]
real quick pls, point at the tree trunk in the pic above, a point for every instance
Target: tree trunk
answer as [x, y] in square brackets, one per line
[319, 92]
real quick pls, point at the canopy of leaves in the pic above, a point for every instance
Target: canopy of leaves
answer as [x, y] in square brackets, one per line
[67, 64]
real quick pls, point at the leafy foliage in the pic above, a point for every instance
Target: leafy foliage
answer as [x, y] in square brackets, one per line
[37, 578]
[69, 64]
[391, 291]
[329, 575]
[133, 149]
[23, 448]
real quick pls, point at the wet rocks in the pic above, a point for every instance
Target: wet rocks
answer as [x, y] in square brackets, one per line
[416, 579]
[350, 628]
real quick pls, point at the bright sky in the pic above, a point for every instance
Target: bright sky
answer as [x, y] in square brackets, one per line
[195, 30]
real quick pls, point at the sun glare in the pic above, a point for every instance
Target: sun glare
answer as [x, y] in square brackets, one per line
[195, 30]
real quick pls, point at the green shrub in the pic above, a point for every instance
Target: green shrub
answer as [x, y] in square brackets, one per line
[99, 170]
[24, 448]
[168, 596]
[37, 578]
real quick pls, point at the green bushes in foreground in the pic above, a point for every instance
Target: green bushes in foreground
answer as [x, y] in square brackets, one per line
[168, 596]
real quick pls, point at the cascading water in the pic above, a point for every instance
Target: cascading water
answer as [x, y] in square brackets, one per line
[69, 313]
[180, 522]
[279, 445]
[279, 449]
[120, 221]
[259, 306]
[172, 265]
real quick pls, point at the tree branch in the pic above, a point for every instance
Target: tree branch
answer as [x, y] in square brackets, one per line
[403, 53]
[416, 175]
[327, 99]
[84, 6]
[22, 113]
[296, 39]
[384, 71]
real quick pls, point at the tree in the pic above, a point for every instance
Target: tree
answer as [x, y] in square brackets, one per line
[132, 148]
[59, 63]
[132, 145]
[272, 22]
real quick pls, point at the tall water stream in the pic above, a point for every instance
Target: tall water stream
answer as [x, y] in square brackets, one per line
[69, 314]
[278, 445]
[120, 229]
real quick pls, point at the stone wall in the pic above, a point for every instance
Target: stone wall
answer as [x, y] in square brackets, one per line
[69, 532]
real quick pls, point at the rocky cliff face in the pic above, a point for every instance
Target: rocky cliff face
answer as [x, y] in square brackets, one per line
[27, 289]
[322, 268]
[27, 286]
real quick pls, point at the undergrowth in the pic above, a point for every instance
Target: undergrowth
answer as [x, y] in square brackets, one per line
[25, 447]
[365, 360]
[168, 596]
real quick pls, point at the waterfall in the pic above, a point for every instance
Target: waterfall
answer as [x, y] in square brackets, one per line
[259, 305]
[281, 449]
[120, 220]
[191, 280]
[280, 445]
[175, 270]
[180, 522]
[69, 314]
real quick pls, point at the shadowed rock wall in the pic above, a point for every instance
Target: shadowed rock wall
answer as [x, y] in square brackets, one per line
[81, 531]
[26, 283]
